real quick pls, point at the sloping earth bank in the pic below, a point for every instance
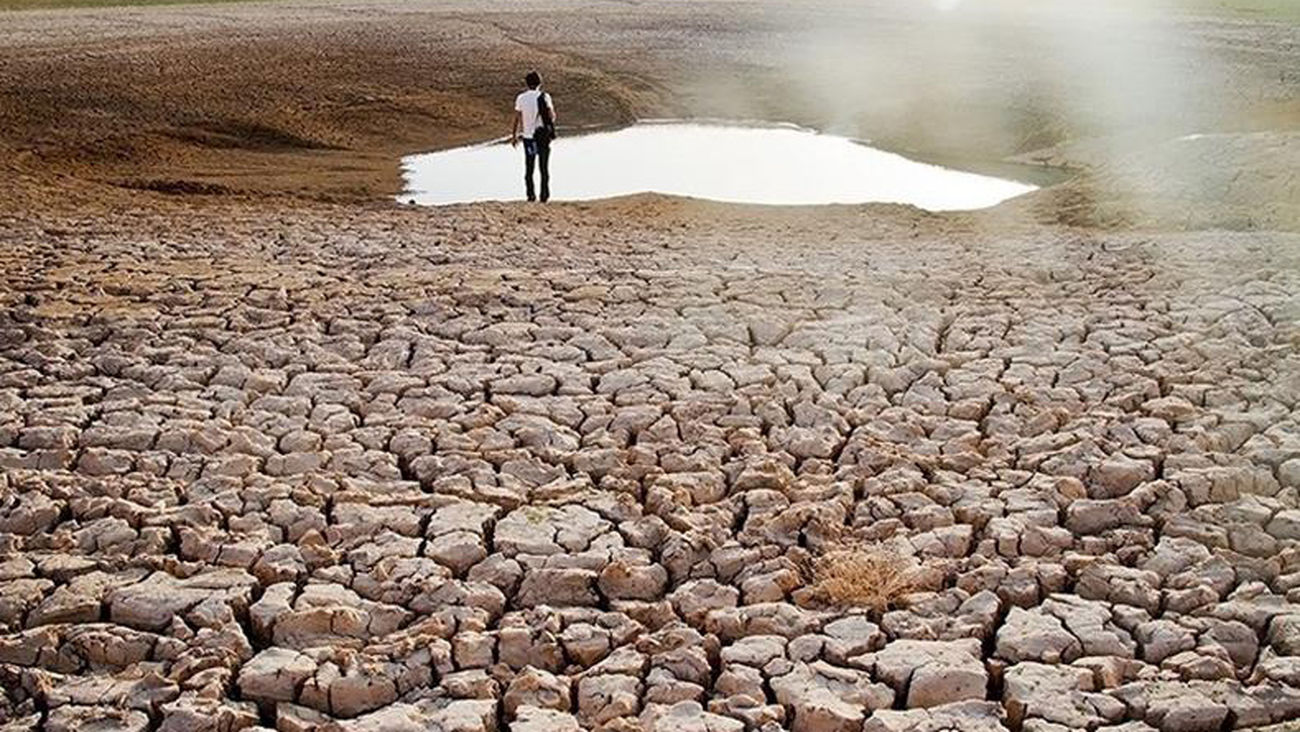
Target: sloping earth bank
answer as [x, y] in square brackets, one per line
[319, 99]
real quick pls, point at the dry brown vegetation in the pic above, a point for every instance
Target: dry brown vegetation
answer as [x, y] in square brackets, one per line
[871, 578]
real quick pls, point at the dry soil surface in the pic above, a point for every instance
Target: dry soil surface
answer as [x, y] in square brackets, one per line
[268, 461]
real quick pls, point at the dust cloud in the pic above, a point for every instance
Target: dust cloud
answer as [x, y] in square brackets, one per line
[1014, 76]
[1088, 86]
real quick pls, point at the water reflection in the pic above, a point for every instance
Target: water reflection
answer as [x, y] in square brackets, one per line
[743, 164]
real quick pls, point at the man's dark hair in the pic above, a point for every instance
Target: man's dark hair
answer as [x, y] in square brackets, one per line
[533, 80]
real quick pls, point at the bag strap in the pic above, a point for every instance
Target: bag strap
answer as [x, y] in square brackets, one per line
[543, 109]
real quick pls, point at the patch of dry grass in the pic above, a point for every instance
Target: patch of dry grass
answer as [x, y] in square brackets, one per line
[861, 578]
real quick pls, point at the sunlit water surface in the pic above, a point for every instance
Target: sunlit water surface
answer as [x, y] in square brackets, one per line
[744, 164]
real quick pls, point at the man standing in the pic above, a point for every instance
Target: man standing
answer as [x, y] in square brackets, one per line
[535, 118]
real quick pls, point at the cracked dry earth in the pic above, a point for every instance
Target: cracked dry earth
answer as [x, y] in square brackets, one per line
[469, 470]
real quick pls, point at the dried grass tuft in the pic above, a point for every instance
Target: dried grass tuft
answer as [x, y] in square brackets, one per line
[861, 578]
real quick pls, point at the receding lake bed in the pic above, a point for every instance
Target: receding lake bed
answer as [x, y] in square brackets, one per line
[739, 163]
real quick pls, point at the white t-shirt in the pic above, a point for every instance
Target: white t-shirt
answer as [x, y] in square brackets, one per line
[526, 104]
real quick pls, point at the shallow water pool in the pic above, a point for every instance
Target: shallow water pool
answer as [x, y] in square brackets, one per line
[738, 163]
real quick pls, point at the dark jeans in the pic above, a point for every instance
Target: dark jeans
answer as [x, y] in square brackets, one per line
[537, 153]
